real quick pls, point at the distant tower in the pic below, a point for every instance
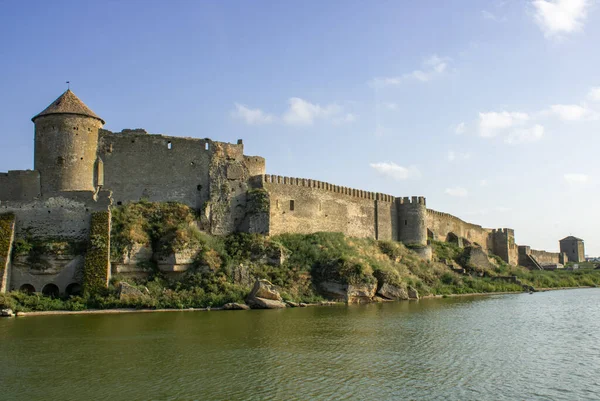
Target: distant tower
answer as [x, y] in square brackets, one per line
[412, 227]
[66, 142]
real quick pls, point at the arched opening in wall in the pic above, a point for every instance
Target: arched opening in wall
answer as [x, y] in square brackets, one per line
[73, 289]
[27, 288]
[430, 234]
[169, 145]
[206, 146]
[51, 290]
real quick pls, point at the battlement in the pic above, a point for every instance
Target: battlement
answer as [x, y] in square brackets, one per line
[310, 183]
[413, 200]
[506, 231]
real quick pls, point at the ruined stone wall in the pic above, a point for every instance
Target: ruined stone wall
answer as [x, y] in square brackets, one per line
[63, 271]
[545, 258]
[299, 205]
[65, 152]
[441, 224]
[66, 216]
[19, 185]
[155, 167]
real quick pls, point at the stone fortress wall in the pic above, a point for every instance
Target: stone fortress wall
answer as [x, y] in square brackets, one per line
[81, 169]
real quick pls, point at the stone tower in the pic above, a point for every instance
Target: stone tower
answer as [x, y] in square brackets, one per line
[574, 248]
[66, 142]
[412, 227]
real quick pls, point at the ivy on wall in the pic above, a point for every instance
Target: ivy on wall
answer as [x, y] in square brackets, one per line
[6, 227]
[95, 270]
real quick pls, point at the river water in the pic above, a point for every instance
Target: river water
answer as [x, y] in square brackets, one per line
[505, 347]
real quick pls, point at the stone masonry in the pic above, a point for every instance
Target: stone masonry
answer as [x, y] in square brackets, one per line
[81, 168]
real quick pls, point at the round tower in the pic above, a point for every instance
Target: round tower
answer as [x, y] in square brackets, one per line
[412, 224]
[66, 142]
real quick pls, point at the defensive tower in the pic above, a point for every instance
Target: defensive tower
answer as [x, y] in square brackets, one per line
[412, 227]
[66, 142]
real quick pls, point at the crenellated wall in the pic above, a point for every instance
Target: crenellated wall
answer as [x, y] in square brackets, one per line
[299, 205]
[440, 224]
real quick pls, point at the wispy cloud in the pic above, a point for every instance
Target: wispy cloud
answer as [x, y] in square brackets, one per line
[594, 94]
[299, 112]
[399, 173]
[432, 67]
[459, 192]
[483, 183]
[251, 116]
[454, 156]
[493, 123]
[572, 112]
[460, 129]
[525, 135]
[559, 17]
[576, 178]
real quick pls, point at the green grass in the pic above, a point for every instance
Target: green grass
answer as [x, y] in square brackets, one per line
[226, 267]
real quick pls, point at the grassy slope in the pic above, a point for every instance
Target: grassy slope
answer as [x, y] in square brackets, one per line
[225, 267]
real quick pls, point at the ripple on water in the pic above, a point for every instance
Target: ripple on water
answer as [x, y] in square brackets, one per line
[542, 346]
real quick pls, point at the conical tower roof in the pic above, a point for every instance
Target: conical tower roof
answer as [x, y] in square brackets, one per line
[68, 103]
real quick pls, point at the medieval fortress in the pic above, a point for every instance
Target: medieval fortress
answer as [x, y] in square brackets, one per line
[81, 169]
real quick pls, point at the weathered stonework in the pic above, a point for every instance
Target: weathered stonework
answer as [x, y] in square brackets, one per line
[82, 170]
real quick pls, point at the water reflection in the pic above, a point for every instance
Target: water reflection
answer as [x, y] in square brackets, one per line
[500, 347]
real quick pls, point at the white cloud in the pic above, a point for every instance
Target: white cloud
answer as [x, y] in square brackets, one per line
[525, 135]
[459, 192]
[576, 178]
[594, 94]
[251, 116]
[432, 67]
[572, 112]
[460, 129]
[557, 17]
[302, 112]
[395, 171]
[299, 112]
[492, 123]
[452, 156]
[483, 183]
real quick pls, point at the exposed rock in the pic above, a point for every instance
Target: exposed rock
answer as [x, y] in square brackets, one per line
[6, 313]
[235, 306]
[413, 293]
[389, 291]
[127, 292]
[241, 275]
[20, 314]
[302, 305]
[361, 293]
[264, 289]
[348, 293]
[264, 296]
[291, 304]
[262, 303]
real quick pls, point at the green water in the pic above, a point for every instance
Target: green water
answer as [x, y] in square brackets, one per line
[542, 346]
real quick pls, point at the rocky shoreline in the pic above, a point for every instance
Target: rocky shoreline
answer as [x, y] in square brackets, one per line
[238, 306]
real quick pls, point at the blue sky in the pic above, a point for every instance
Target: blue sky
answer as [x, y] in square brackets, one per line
[490, 109]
